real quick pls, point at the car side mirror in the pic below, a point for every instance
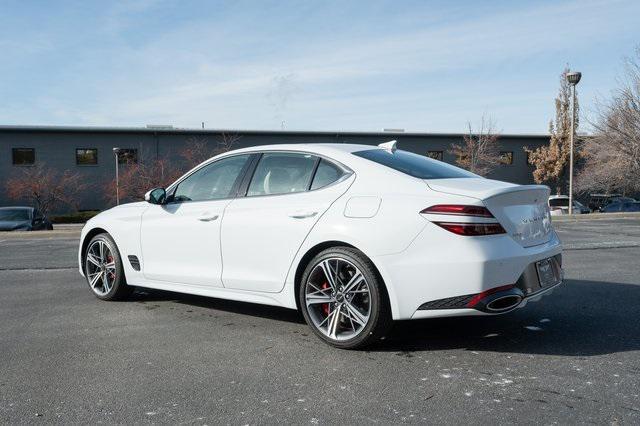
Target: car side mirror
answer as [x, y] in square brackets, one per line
[156, 196]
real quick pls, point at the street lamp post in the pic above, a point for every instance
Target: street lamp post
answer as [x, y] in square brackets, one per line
[573, 78]
[116, 152]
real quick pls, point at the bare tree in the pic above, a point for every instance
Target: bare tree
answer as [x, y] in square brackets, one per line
[478, 152]
[45, 188]
[612, 155]
[551, 161]
[197, 150]
[138, 177]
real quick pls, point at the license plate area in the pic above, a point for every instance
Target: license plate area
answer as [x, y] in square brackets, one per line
[548, 272]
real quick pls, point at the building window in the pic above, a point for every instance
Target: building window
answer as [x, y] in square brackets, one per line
[506, 157]
[23, 156]
[436, 155]
[128, 156]
[86, 156]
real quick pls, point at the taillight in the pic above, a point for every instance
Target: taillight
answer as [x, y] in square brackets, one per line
[458, 210]
[466, 228]
[472, 229]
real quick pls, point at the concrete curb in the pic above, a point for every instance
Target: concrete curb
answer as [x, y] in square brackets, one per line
[595, 216]
[15, 235]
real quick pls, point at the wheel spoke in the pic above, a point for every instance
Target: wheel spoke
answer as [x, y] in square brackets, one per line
[355, 314]
[332, 327]
[110, 266]
[315, 299]
[102, 254]
[94, 280]
[105, 282]
[319, 290]
[328, 318]
[93, 259]
[353, 282]
[328, 273]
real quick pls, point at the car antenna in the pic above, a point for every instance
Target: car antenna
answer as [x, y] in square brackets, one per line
[389, 146]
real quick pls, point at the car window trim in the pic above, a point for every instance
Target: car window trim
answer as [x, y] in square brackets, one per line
[244, 186]
[313, 173]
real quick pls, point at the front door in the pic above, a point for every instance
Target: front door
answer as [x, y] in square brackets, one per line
[181, 239]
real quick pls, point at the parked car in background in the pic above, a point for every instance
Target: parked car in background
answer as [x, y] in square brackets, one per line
[559, 205]
[23, 219]
[599, 201]
[621, 207]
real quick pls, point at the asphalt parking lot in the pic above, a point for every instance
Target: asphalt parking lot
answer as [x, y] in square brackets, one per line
[67, 357]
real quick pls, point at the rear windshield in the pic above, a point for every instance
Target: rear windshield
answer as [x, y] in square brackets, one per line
[12, 215]
[414, 165]
[559, 202]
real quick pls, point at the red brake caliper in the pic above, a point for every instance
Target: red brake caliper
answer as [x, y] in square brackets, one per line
[325, 306]
[111, 274]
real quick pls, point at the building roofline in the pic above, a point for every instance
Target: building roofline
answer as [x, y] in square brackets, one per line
[172, 130]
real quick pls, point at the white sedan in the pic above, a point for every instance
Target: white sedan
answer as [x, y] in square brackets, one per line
[354, 236]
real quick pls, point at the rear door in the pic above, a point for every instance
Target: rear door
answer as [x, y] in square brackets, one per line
[262, 232]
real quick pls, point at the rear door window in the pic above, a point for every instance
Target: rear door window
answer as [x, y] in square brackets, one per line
[282, 173]
[414, 165]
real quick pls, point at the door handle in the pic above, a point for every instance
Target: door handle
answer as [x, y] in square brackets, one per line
[302, 214]
[208, 218]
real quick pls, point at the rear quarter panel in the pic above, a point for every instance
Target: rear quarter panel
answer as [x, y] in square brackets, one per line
[390, 230]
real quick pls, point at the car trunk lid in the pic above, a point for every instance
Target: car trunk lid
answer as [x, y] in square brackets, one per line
[521, 209]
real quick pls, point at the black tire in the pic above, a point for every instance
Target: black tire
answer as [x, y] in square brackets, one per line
[119, 289]
[379, 321]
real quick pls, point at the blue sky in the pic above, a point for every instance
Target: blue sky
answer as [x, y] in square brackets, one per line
[343, 65]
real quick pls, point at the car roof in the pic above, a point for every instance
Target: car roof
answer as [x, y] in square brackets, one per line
[317, 148]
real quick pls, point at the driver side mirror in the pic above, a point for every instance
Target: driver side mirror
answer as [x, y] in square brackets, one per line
[156, 196]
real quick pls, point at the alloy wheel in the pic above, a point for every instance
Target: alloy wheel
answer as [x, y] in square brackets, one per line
[338, 299]
[100, 267]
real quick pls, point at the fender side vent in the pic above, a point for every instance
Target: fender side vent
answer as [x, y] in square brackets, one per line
[135, 263]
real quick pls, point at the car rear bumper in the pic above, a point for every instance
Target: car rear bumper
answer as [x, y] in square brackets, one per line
[439, 274]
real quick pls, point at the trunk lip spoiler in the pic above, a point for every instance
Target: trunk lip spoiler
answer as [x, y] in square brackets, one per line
[489, 193]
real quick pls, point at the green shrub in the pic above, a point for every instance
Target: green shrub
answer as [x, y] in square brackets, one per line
[77, 217]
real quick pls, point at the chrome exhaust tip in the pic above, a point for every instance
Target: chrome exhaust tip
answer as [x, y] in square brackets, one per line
[502, 301]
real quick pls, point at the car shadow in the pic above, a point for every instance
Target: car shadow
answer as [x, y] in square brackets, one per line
[147, 296]
[580, 318]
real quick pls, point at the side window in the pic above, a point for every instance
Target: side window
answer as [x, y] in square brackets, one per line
[211, 182]
[326, 174]
[282, 173]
